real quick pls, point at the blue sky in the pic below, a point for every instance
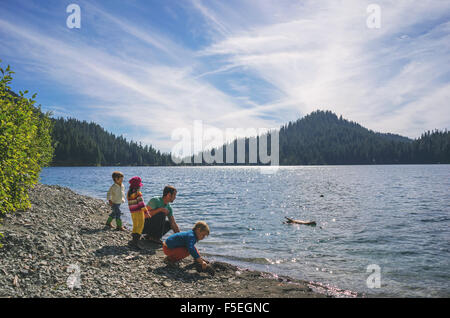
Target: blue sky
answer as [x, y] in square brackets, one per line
[145, 68]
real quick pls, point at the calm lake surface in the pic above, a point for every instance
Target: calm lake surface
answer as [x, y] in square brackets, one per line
[394, 216]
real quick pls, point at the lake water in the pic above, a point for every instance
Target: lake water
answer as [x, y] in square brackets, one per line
[394, 216]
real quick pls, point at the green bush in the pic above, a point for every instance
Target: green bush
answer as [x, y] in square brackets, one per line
[25, 145]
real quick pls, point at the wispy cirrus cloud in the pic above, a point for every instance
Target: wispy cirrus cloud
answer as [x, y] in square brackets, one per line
[324, 56]
[149, 97]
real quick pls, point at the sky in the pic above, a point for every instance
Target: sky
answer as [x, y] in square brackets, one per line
[144, 69]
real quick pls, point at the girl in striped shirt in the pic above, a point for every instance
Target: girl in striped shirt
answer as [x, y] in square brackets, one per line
[138, 209]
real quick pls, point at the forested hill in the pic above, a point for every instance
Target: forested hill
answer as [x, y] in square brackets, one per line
[320, 138]
[79, 143]
[323, 138]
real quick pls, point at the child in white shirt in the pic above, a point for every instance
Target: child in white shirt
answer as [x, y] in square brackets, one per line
[115, 197]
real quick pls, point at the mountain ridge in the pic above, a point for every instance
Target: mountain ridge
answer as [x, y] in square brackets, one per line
[319, 138]
[323, 138]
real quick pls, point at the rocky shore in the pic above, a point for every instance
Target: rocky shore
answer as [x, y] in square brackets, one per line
[61, 248]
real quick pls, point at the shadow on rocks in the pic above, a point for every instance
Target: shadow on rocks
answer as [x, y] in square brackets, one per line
[146, 247]
[89, 231]
[146, 251]
[112, 250]
[192, 272]
[186, 274]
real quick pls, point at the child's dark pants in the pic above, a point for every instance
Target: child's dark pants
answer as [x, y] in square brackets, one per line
[116, 213]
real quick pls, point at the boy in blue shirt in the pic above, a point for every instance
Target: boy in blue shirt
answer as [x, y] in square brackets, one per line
[182, 244]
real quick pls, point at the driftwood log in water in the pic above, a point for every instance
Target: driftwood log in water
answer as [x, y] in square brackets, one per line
[292, 221]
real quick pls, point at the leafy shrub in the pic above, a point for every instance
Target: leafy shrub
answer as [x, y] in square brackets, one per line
[25, 145]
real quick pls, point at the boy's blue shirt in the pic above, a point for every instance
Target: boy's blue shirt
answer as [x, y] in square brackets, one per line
[184, 239]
